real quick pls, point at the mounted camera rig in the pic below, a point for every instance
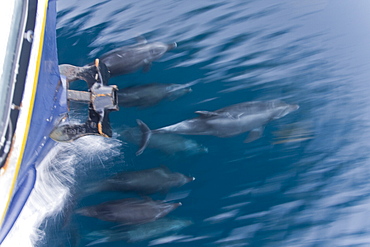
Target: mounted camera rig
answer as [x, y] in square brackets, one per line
[101, 98]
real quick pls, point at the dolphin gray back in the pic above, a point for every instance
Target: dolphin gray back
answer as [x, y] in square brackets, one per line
[130, 210]
[250, 107]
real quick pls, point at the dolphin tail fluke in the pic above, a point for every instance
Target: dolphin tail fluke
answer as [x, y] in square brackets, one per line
[146, 134]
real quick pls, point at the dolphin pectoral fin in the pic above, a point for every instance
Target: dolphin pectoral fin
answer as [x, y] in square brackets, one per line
[147, 66]
[146, 134]
[254, 134]
[207, 113]
[172, 97]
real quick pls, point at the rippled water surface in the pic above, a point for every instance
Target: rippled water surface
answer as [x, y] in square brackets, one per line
[306, 181]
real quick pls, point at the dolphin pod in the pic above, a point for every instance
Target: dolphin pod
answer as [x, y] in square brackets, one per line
[225, 122]
[134, 211]
[144, 216]
[120, 61]
[129, 211]
[149, 181]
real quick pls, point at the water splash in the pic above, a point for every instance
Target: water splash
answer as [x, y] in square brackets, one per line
[54, 187]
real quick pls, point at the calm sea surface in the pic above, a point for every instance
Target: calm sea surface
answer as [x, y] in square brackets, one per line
[304, 183]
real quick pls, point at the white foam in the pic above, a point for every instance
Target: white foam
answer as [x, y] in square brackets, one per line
[56, 176]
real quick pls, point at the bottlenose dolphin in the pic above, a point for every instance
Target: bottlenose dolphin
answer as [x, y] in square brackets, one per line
[120, 61]
[129, 211]
[225, 122]
[149, 181]
[140, 232]
[151, 94]
[170, 144]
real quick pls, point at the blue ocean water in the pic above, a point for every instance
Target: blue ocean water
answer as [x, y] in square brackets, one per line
[305, 182]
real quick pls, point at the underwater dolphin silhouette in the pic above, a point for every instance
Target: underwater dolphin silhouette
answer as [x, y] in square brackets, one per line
[170, 144]
[129, 211]
[228, 121]
[120, 61]
[148, 181]
[151, 94]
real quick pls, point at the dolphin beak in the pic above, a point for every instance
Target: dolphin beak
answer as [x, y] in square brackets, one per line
[171, 46]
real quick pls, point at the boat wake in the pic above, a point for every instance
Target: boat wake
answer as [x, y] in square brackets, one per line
[55, 183]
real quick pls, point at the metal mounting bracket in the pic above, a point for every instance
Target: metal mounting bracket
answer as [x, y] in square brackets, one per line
[101, 99]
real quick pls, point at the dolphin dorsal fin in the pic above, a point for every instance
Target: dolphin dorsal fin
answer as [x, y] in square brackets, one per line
[141, 40]
[146, 198]
[165, 168]
[207, 113]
